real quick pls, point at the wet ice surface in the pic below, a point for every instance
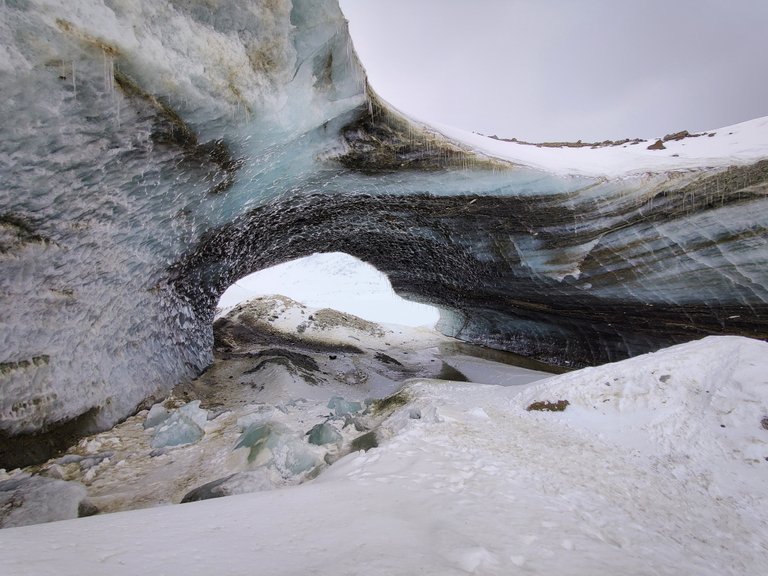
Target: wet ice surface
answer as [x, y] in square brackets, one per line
[292, 390]
[656, 466]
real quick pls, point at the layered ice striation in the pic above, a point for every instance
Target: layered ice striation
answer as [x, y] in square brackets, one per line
[130, 129]
[154, 152]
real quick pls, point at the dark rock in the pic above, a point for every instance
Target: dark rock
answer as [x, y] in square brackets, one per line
[87, 508]
[677, 136]
[214, 489]
[238, 483]
[545, 406]
[381, 357]
[365, 442]
[658, 145]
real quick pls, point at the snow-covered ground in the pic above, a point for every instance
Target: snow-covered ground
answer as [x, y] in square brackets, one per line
[657, 465]
[333, 280]
[739, 144]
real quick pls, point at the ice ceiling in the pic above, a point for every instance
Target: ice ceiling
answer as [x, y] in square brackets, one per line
[154, 152]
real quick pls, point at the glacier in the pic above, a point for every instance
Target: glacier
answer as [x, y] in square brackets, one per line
[155, 152]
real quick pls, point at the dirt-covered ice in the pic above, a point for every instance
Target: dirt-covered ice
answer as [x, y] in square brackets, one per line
[655, 465]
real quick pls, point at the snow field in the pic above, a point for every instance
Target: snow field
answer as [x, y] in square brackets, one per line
[742, 143]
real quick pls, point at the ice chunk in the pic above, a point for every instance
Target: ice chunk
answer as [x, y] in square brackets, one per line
[342, 407]
[35, 499]
[193, 411]
[183, 426]
[324, 434]
[273, 444]
[254, 437]
[177, 430]
[157, 415]
[292, 456]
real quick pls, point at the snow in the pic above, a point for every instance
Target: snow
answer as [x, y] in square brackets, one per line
[739, 144]
[656, 466]
[334, 280]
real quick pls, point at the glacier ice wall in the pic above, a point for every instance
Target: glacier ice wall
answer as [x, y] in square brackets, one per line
[130, 128]
[154, 152]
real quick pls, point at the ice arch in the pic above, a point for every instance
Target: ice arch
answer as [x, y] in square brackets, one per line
[155, 152]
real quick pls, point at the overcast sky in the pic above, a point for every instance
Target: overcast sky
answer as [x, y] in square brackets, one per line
[567, 69]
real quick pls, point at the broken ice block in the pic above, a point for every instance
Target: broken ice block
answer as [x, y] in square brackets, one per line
[177, 430]
[324, 434]
[292, 456]
[254, 437]
[341, 407]
[157, 415]
[193, 411]
[273, 444]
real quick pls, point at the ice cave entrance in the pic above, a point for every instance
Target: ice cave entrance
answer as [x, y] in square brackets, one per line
[333, 280]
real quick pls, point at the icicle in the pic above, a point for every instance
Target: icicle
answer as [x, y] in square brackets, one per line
[74, 82]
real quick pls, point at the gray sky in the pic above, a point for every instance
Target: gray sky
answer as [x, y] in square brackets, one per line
[567, 69]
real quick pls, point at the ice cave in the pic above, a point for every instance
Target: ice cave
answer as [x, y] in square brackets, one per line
[154, 153]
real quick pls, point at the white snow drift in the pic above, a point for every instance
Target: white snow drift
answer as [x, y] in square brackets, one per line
[656, 466]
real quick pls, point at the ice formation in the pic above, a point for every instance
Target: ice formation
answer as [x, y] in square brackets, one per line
[323, 433]
[183, 426]
[343, 407]
[154, 152]
[278, 446]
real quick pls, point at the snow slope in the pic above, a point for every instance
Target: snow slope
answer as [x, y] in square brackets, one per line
[656, 466]
[333, 280]
[739, 144]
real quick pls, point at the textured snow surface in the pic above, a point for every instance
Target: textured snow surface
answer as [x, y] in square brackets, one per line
[656, 466]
